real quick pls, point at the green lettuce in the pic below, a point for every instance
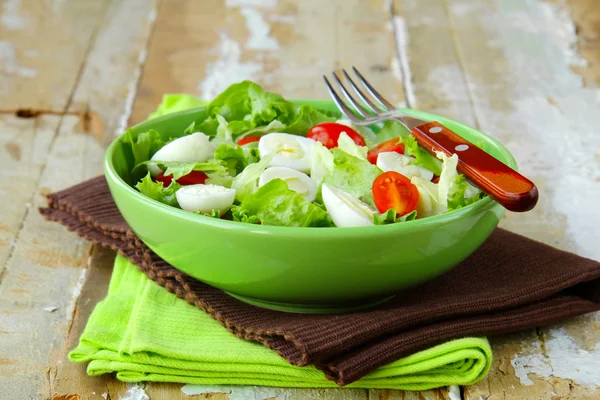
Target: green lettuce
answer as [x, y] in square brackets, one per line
[181, 168]
[236, 157]
[157, 191]
[275, 204]
[144, 146]
[390, 217]
[423, 158]
[348, 145]
[353, 175]
[391, 130]
[246, 183]
[248, 108]
[463, 194]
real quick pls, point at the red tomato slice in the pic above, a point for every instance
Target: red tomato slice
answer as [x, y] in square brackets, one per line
[193, 178]
[393, 145]
[394, 190]
[328, 133]
[248, 139]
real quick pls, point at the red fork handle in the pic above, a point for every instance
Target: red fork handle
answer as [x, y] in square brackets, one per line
[502, 183]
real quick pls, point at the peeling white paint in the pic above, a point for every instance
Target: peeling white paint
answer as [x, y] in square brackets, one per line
[50, 309]
[8, 62]
[259, 31]
[11, 17]
[239, 392]
[454, 393]
[564, 360]
[227, 69]
[135, 392]
[76, 292]
[401, 70]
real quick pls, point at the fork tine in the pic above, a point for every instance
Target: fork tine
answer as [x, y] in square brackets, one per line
[338, 101]
[361, 94]
[362, 111]
[389, 106]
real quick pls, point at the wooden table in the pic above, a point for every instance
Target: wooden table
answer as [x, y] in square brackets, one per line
[73, 73]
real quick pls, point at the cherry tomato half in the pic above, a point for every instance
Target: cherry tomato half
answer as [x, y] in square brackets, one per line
[193, 178]
[328, 133]
[394, 190]
[248, 139]
[393, 145]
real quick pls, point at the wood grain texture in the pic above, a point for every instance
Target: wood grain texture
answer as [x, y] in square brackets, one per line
[202, 47]
[79, 66]
[535, 116]
[44, 266]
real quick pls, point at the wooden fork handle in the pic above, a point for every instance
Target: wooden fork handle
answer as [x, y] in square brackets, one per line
[502, 183]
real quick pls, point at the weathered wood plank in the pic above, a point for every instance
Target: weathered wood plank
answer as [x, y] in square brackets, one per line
[202, 47]
[46, 265]
[499, 45]
[43, 45]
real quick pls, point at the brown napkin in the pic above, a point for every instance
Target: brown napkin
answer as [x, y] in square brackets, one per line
[510, 283]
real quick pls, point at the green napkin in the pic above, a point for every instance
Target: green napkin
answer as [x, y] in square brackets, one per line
[144, 333]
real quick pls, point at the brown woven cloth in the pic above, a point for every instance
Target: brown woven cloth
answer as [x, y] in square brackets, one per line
[511, 283]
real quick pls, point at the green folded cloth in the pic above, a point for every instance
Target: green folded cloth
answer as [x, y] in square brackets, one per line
[144, 333]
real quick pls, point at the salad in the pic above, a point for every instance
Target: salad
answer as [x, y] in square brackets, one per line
[255, 157]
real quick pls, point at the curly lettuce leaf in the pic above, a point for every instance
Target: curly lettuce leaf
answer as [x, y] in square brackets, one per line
[276, 204]
[177, 102]
[157, 191]
[144, 146]
[353, 175]
[390, 217]
[246, 183]
[248, 109]
[392, 130]
[348, 145]
[423, 158]
[463, 194]
[235, 157]
[180, 168]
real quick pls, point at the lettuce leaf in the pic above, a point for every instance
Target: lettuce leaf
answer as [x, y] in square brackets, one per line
[321, 163]
[157, 191]
[367, 134]
[423, 158]
[181, 168]
[235, 157]
[463, 194]
[275, 204]
[144, 146]
[389, 217]
[246, 183]
[177, 102]
[391, 130]
[353, 175]
[246, 108]
[348, 145]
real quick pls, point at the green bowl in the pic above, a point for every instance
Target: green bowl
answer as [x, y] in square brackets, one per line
[318, 270]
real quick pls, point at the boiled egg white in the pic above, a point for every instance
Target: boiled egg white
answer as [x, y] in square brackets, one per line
[296, 181]
[291, 151]
[205, 198]
[195, 147]
[405, 165]
[345, 210]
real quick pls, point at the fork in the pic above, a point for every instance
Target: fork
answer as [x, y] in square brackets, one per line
[502, 183]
